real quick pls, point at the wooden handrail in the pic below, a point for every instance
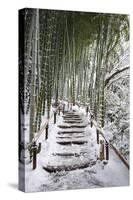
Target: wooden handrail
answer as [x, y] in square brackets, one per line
[41, 130]
[111, 145]
[120, 156]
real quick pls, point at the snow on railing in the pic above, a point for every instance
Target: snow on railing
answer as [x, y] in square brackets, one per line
[33, 148]
[101, 132]
[44, 126]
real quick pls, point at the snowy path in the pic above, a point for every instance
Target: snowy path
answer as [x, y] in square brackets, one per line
[114, 173]
[71, 145]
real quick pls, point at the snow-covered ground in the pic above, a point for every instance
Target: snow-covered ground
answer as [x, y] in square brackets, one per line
[115, 173]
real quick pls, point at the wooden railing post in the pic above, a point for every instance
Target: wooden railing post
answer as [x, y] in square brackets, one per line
[97, 132]
[54, 117]
[30, 151]
[92, 117]
[108, 144]
[63, 109]
[107, 150]
[35, 150]
[102, 150]
[46, 136]
[91, 124]
[87, 110]
[59, 110]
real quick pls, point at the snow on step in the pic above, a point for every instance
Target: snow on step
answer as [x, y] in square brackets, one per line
[79, 139]
[66, 154]
[72, 121]
[70, 162]
[72, 126]
[71, 142]
[72, 117]
[71, 148]
[64, 167]
[69, 131]
[70, 136]
[71, 114]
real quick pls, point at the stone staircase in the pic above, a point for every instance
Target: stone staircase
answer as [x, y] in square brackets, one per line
[72, 148]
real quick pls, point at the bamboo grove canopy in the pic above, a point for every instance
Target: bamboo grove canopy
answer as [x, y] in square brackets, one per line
[68, 55]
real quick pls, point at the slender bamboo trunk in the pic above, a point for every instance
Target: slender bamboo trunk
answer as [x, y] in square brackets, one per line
[33, 86]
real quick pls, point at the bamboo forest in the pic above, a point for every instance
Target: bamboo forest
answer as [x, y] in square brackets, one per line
[73, 100]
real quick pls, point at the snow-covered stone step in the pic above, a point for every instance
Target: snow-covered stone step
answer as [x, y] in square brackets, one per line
[84, 138]
[72, 113]
[65, 167]
[76, 142]
[66, 154]
[72, 126]
[71, 148]
[71, 131]
[73, 121]
[71, 116]
[70, 136]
